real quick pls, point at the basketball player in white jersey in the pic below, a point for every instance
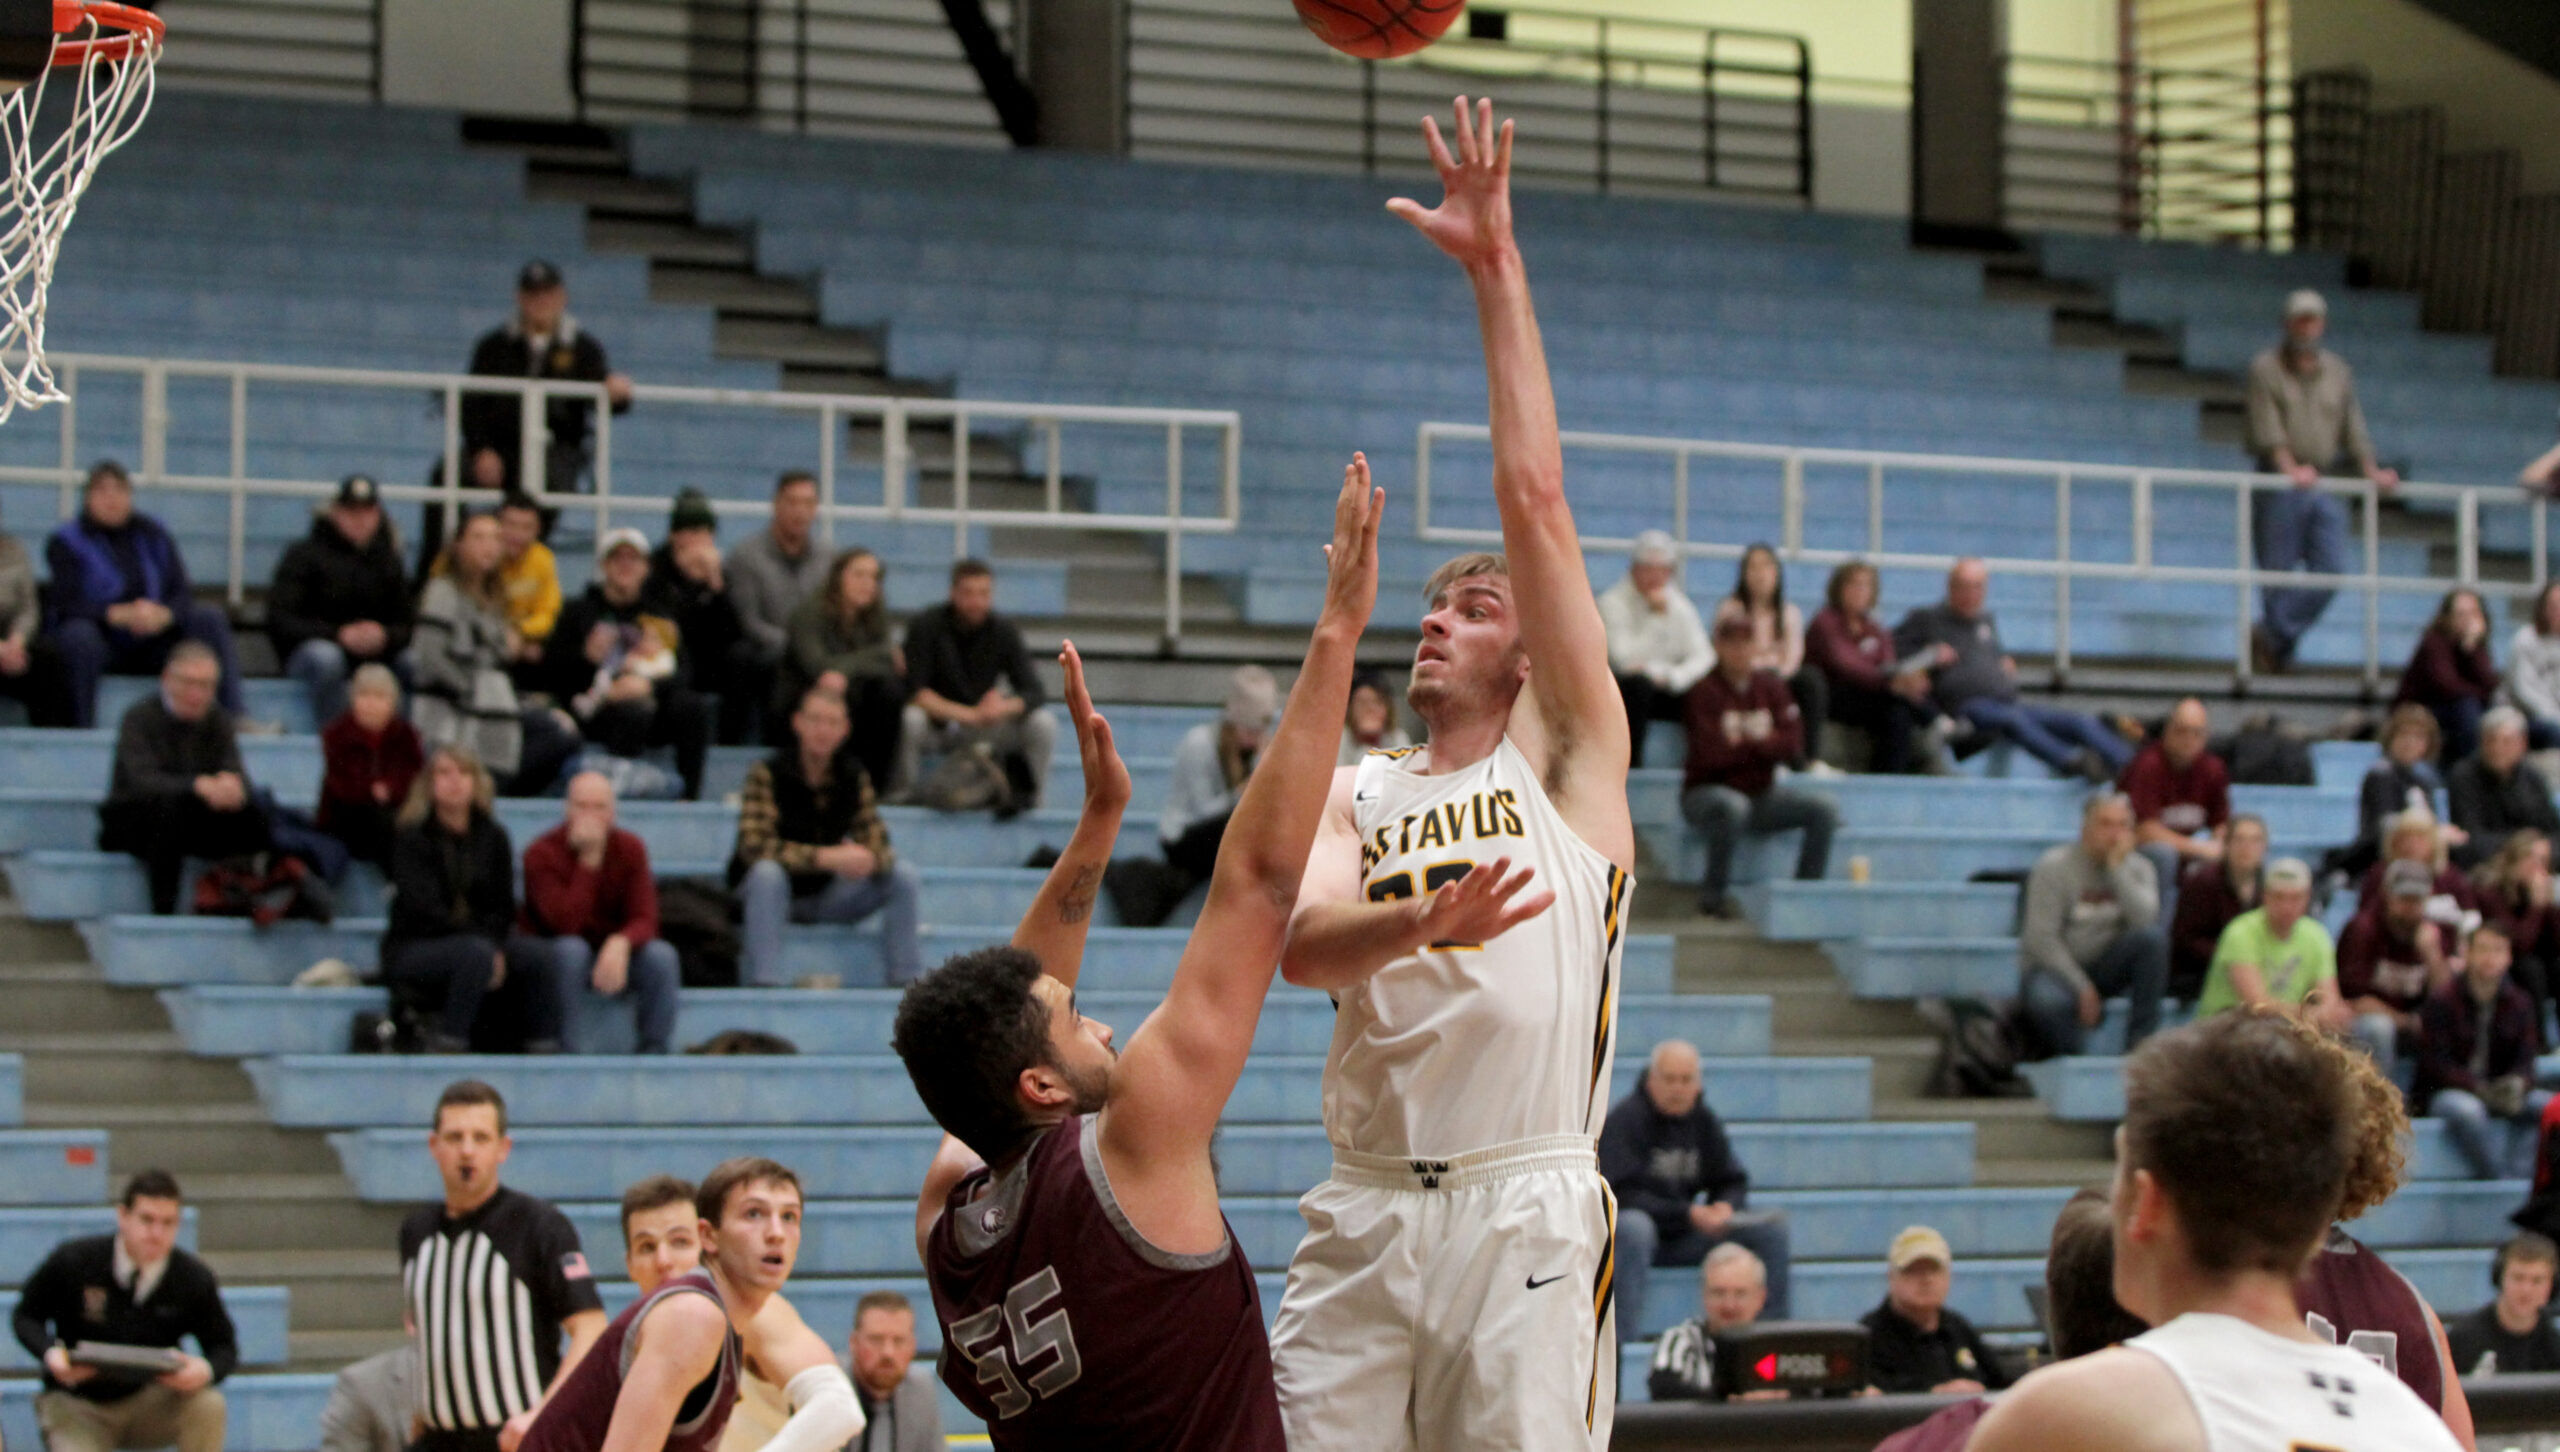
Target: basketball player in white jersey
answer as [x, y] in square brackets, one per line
[1454, 1286]
[2235, 1149]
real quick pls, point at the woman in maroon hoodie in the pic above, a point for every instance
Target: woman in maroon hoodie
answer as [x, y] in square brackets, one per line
[2451, 673]
[369, 757]
[1854, 652]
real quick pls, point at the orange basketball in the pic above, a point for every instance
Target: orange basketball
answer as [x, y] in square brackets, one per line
[1378, 29]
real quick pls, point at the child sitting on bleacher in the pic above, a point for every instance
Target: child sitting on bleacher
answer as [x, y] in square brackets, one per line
[369, 757]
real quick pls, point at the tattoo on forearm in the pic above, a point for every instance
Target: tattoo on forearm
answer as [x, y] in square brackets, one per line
[1076, 903]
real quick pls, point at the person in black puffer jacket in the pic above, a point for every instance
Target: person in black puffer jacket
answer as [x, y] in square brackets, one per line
[453, 904]
[340, 599]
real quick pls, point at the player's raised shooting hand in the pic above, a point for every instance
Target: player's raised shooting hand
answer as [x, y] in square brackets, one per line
[1106, 777]
[1488, 902]
[1473, 221]
[1351, 561]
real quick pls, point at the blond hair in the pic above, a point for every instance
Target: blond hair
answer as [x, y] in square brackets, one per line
[1464, 567]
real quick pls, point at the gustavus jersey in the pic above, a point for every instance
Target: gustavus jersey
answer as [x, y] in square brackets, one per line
[1465, 1046]
[2255, 1392]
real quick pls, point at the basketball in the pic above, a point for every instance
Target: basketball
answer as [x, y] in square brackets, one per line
[1378, 29]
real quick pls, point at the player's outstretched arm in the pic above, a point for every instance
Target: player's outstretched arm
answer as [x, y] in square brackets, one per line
[680, 1343]
[2117, 1400]
[1055, 928]
[825, 1414]
[1577, 698]
[1175, 1076]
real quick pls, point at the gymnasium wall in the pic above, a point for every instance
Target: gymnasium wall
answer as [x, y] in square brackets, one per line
[2490, 98]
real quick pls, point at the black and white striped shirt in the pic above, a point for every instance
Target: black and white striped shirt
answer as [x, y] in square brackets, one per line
[487, 1292]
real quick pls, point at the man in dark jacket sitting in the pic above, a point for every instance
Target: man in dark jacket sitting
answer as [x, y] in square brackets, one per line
[121, 598]
[1681, 1193]
[620, 665]
[340, 599]
[132, 1288]
[2495, 793]
[811, 848]
[178, 789]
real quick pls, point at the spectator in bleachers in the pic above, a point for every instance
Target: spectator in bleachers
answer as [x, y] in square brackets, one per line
[2082, 1315]
[2181, 795]
[2277, 955]
[1973, 679]
[812, 849]
[2089, 928]
[971, 681]
[178, 788]
[623, 669]
[901, 1410]
[1743, 726]
[2391, 959]
[590, 920]
[2532, 682]
[2451, 672]
[369, 759]
[500, 1276]
[465, 696]
[2304, 422]
[1369, 721]
[1657, 642]
[453, 906]
[2495, 792]
[31, 669]
[1681, 1192]
[770, 573]
[2209, 897]
[1869, 690]
[2415, 836]
[121, 599]
[373, 1404]
[2405, 776]
[2477, 1041]
[1734, 1288]
[133, 1288]
[2513, 890]
[840, 636]
[1777, 640]
[689, 585]
[1210, 767]
[340, 599]
[1919, 1344]
[528, 581]
[2513, 1334]
[541, 341]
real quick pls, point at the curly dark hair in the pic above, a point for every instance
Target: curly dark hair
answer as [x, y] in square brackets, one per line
[966, 1031]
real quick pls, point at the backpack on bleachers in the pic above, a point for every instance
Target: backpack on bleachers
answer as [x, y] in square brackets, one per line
[696, 916]
[2267, 752]
[1977, 1055]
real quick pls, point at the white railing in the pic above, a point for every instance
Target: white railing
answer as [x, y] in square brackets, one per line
[826, 416]
[2142, 485]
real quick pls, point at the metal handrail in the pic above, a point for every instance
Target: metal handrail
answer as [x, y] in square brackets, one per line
[2061, 567]
[830, 413]
[2194, 153]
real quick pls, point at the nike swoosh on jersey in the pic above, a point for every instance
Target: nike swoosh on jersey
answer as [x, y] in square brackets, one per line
[1534, 1283]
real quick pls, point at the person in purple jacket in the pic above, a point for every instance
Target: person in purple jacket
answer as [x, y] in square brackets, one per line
[121, 599]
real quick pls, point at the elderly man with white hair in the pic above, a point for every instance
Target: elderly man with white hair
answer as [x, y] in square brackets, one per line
[589, 919]
[1681, 1193]
[1657, 640]
[2304, 422]
[1734, 1286]
[2495, 793]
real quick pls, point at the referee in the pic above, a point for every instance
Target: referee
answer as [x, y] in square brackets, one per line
[489, 1280]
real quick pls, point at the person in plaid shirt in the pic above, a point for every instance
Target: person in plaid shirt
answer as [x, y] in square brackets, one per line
[812, 849]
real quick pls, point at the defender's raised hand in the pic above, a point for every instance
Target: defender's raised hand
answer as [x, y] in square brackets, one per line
[1473, 221]
[1351, 561]
[1488, 902]
[1106, 777]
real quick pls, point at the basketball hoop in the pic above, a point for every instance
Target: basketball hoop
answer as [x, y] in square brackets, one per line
[110, 52]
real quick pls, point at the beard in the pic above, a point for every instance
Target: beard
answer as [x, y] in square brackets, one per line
[1092, 1087]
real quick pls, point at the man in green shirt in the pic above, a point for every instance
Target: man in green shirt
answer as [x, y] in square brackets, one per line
[2277, 955]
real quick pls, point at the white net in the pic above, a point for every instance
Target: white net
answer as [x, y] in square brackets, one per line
[53, 151]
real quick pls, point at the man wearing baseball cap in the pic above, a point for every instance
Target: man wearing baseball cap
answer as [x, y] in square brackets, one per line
[2304, 422]
[2392, 958]
[1743, 725]
[1918, 1344]
[340, 599]
[1657, 641]
[2277, 955]
[541, 341]
[619, 665]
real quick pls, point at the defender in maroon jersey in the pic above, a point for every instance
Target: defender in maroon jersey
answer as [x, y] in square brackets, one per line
[1090, 1291]
[664, 1375]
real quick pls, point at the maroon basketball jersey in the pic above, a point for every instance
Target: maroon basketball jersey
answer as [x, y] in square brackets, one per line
[1064, 1329]
[576, 1416]
[1947, 1431]
[2354, 1297]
